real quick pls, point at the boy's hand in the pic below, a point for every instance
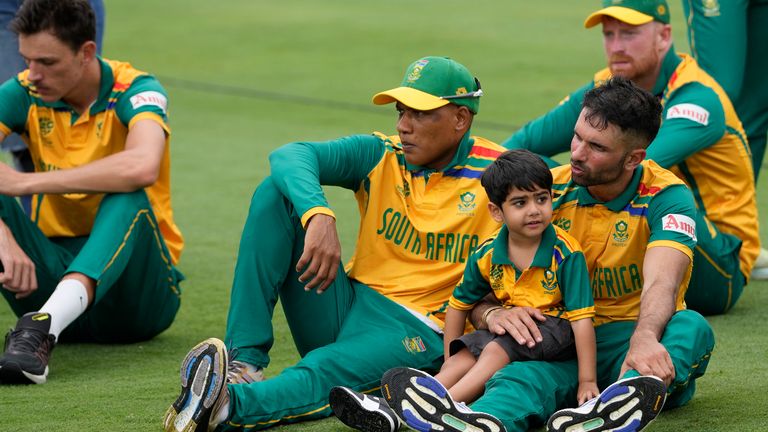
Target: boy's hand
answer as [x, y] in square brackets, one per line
[587, 390]
[517, 322]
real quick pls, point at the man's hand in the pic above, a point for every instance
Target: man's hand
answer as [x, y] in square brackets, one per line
[322, 253]
[649, 357]
[18, 270]
[517, 322]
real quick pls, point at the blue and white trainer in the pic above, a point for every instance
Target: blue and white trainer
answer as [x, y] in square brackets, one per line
[424, 404]
[203, 388]
[628, 405]
[362, 412]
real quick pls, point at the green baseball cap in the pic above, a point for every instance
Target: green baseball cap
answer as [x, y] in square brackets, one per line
[432, 82]
[634, 12]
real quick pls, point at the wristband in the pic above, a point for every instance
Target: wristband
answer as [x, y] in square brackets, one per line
[488, 312]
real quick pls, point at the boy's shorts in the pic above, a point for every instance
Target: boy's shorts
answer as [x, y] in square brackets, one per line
[557, 342]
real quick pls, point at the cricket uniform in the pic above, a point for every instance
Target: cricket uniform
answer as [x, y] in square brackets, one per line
[656, 210]
[556, 283]
[417, 229]
[127, 242]
[729, 39]
[701, 140]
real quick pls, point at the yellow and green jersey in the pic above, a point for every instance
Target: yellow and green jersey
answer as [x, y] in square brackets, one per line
[556, 282]
[59, 138]
[418, 226]
[656, 209]
[701, 140]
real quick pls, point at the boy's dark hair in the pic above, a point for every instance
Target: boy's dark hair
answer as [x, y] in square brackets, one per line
[72, 21]
[518, 169]
[633, 110]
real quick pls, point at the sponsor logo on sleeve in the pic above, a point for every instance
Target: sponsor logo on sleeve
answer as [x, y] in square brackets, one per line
[149, 98]
[679, 223]
[689, 111]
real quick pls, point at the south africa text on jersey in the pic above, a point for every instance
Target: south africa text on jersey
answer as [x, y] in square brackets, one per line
[436, 246]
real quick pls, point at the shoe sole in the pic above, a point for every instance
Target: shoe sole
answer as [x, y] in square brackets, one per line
[12, 373]
[203, 375]
[351, 411]
[628, 405]
[425, 405]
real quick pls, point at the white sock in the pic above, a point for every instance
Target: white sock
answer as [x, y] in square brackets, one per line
[68, 301]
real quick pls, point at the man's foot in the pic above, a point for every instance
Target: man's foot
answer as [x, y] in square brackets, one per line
[239, 372]
[363, 412]
[203, 388]
[760, 269]
[27, 349]
[627, 405]
[425, 405]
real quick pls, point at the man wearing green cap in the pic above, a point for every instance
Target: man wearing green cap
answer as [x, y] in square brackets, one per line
[701, 140]
[422, 211]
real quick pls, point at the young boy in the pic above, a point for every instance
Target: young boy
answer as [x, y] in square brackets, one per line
[529, 263]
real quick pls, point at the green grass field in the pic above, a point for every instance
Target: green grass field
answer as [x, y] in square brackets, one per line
[246, 76]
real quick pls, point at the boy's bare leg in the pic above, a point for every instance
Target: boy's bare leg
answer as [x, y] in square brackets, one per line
[472, 384]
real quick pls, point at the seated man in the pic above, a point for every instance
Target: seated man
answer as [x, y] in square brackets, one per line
[701, 140]
[96, 262]
[635, 221]
[422, 212]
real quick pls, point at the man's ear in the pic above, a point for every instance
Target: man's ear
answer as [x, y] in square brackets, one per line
[634, 158]
[496, 213]
[88, 51]
[463, 118]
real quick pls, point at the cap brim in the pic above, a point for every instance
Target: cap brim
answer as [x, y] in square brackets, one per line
[629, 16]
[410, 97]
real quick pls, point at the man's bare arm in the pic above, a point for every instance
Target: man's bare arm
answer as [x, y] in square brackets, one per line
[135, 167]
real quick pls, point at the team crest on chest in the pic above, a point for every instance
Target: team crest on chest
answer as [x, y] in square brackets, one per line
[496, 277]
[549, 283]
[467, 203]
[404, 190]
[621, 232]
[46, 125]
[563, 223]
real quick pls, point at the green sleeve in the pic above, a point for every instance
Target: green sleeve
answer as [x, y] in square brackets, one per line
[672, 216]
[693, 119]
[14, 105]
[299, 169]
[144, 95]
[551, 133]
[473, 286]
[573, 277]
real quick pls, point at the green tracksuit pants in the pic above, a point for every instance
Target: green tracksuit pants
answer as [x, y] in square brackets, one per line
[137, 290]
[524, 394]
[349, 335]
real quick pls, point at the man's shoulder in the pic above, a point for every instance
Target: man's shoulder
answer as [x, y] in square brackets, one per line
[565, 243]
[656, 179]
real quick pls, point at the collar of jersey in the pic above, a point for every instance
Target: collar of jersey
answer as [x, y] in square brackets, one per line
[465, 145]
[543, 257]
[668, 67]
[620, 202]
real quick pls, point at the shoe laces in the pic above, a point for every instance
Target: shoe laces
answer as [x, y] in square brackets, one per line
[29, 341]
[240, 372]
[243, 373]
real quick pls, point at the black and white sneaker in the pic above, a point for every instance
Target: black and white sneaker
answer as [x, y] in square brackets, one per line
[27, 349]
[628, 405]
[425, 405]
[203, 384]
[362, 412]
